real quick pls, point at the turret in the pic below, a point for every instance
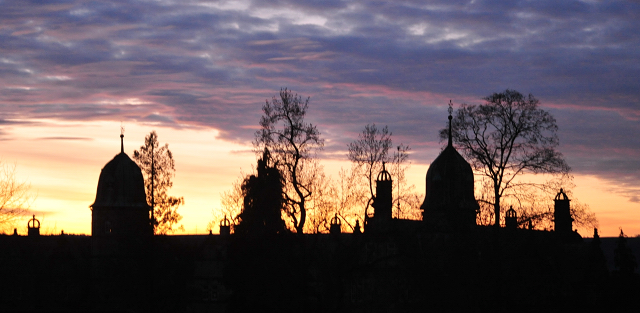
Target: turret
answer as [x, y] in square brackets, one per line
[511, 219]
[380, 222]
[384, 198]
[225, 226]
[562, 213]
[336, 225]
[121, 238]
[120, 211]
[33, 227]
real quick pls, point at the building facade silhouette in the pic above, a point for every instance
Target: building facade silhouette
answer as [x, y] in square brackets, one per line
[444, 262]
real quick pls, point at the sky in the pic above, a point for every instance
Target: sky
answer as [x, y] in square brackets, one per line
[198, 72]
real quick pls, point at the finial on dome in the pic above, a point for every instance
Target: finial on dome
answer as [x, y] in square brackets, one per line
[450, 109]
[121, 139]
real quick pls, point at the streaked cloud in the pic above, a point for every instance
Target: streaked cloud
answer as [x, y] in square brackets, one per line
[65, 138]
[213, 64]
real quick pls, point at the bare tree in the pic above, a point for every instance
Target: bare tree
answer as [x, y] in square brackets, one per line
[534, 204]
[324, 204]
[292, 143]
[343, 197]
[406, 200]
[506, 137]
[158, 169]
[368, 153]
[350, 197]
[14, 197]
[231, 202]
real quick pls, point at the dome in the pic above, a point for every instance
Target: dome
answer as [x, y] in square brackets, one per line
[449, 180]
[562, 196]
[450, 201]
[121, 184]
[383, 175]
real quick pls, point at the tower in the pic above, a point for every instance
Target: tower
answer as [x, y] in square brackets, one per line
[449, 203]
[562, 213]
[121, 237]
[225, 226]
[33, 227]
[120, 211]
[384, 198]
[511, 219]
[381, 221]
[335, 225]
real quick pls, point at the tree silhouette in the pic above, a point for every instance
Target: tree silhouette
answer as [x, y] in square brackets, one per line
[158, 168]
[506, 137]
[623, 257]
[534, 204]
[292, 143]
[369, 151]
[231, 203]
[14, 196]
[262, 201]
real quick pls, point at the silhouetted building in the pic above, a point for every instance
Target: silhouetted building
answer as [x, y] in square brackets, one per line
[335, 225]
[225, 227]
[449, 202]
[443, 263]
[120, 209]
[384, 200]
[121, 233]
[562, 213]
[33, 227]
[382, 221]
[511, 219]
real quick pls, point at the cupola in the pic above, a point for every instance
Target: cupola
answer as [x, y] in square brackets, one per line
[33, 227]
[225, 226]
[356, 228]
[511, 219]
[562, 213]
[383, 201]
[336, 225]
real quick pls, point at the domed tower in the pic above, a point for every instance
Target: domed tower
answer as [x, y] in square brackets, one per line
[120, 209]
[382, 204]
[449, 203]
[33, 227]
[384, 200]
[562, 213]
[121, 238]
[511, 219]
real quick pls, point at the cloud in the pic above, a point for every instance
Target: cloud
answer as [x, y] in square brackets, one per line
[65, 138]
[396, 63]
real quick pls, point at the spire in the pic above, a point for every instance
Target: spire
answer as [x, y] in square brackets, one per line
[450, 111]
[121, 139]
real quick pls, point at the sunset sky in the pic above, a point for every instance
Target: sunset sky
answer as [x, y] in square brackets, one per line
[198, 73]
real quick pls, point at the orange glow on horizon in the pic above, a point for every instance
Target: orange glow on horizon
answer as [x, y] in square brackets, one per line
[62, 162]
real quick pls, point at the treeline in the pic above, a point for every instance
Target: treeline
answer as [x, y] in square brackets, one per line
[288, 145]
[503, 139]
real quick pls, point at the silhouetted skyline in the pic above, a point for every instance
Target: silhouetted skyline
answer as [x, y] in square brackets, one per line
[198, 75]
